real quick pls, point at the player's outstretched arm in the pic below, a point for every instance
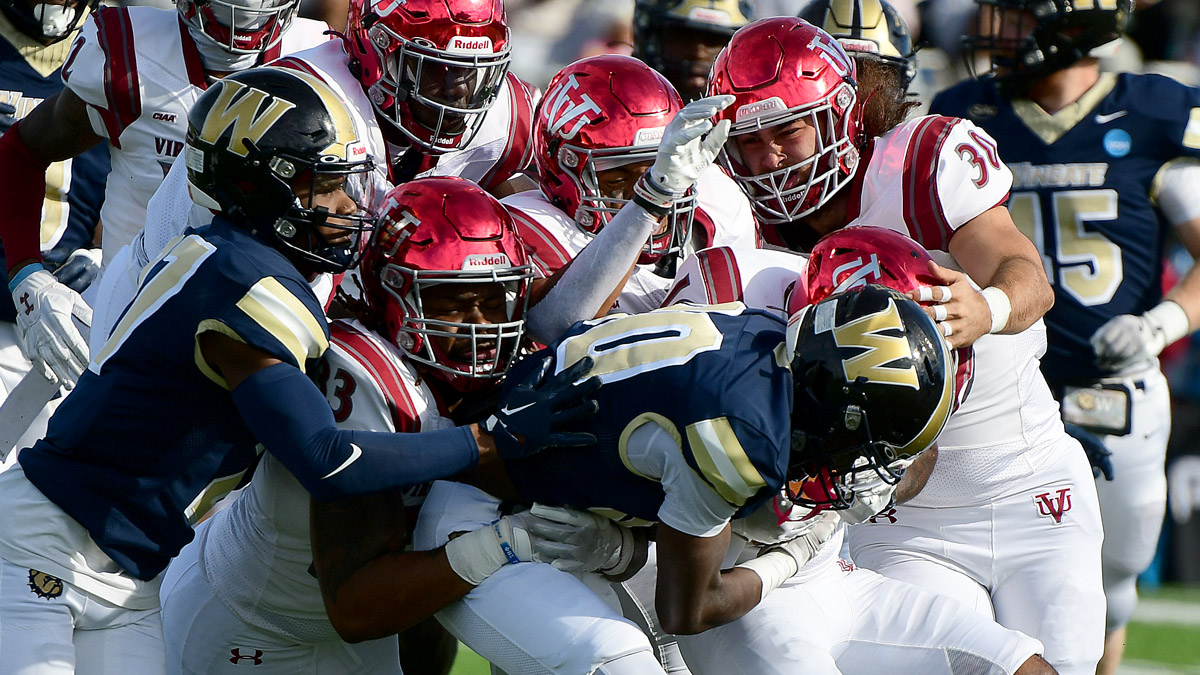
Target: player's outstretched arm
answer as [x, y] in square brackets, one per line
[56, 129]
[290, 416]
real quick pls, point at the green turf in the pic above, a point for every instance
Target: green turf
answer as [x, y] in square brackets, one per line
[1163, 643]
[469, 663]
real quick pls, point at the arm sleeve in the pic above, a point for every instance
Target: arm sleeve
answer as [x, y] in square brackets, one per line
[1176, 188]
[597, 271]
[690, 506]
[289, 415]
[22, 184]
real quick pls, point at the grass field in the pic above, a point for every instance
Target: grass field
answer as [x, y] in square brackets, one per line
[1164, 638]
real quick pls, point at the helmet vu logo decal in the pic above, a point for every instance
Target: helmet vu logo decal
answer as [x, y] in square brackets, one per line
[565, 110]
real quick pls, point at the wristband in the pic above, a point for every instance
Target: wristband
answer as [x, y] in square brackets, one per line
[999, 305]
[29, 269]
[504, 545]
[1170, 320]
[773, 568]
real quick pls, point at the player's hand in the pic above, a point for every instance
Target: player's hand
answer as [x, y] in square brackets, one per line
[1098, 456]
[1129, 340]
[537, 412]
[8, 116]
[961, 312]
[777, 521]
[872, 495]
[478, 554]
[579, 541]
[81, 268]
[803, 547]
[49, 337]
[685, 151]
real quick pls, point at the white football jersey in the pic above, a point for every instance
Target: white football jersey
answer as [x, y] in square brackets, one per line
[723, 218]
[761, 278]
[257, 552]
[139, 72]
[917, 182]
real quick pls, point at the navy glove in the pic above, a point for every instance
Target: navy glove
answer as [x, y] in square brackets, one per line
[81, 268]
[8, 116]
[534, 414]
[1099, 456]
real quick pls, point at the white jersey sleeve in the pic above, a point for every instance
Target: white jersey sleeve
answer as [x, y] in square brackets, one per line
[760, 278]
[691, 505]
[929, 176]
[725, 206]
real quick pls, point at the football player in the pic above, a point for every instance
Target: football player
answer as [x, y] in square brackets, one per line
[447, 286]
[207, 366]
[36, 39]
[429, 80]
[745, 404]
[596, 131]
[131, 76]
[798, 150]
[1104, 169]
[680, 38]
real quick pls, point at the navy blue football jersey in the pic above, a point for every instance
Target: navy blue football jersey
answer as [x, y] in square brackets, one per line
[150, 436]
[714, 376]
[1083, 182]
[74, 187]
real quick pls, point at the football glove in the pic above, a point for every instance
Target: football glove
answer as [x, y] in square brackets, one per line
[683, 154]
[1129, 340]
[80, 269]
[8, 116]
[805, 546]
[49, 337]
[777, 521]
[534, 414]
[578, 541]
[1098, 456]
[870, 497]
[478, 554]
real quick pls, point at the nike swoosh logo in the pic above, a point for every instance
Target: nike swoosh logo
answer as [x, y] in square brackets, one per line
[512, 411]
[355, 453]
[1105, 119]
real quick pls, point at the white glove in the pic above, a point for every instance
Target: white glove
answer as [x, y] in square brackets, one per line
[805, 546]
[1128, 340]
[871, 495]
[579, 541]
[774, 522]
[49, 338]
[682, 154]
[478, 554]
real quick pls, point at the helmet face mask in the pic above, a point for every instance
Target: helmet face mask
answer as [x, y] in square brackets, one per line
[433, 68]
[781, 70]
[444, 252]
[598, 115]
[1022, 41]
[279, 154]
[873, 388]
[240, 27]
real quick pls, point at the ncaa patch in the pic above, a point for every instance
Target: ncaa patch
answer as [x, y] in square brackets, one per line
[45, 586]
[1117, 143]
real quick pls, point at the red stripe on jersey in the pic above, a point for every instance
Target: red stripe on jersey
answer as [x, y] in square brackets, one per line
[680, 285]
[922, 205]
[121, 90]
[368, 354]
[518, 151]
[191, 58]
[708, 228]
[297, 64]
[549, 254]
[722, 279]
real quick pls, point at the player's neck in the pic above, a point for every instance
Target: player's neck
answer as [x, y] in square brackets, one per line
[1064, 87]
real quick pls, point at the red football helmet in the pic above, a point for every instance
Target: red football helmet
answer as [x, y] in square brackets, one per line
[447, 231]
[853, 257]
[239, 27]
[601, 113]
[784, 69]
[432, 67]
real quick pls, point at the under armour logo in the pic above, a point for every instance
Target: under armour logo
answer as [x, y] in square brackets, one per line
[25, 301]
[256, 657]
[1054, 507]
[890, 514]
